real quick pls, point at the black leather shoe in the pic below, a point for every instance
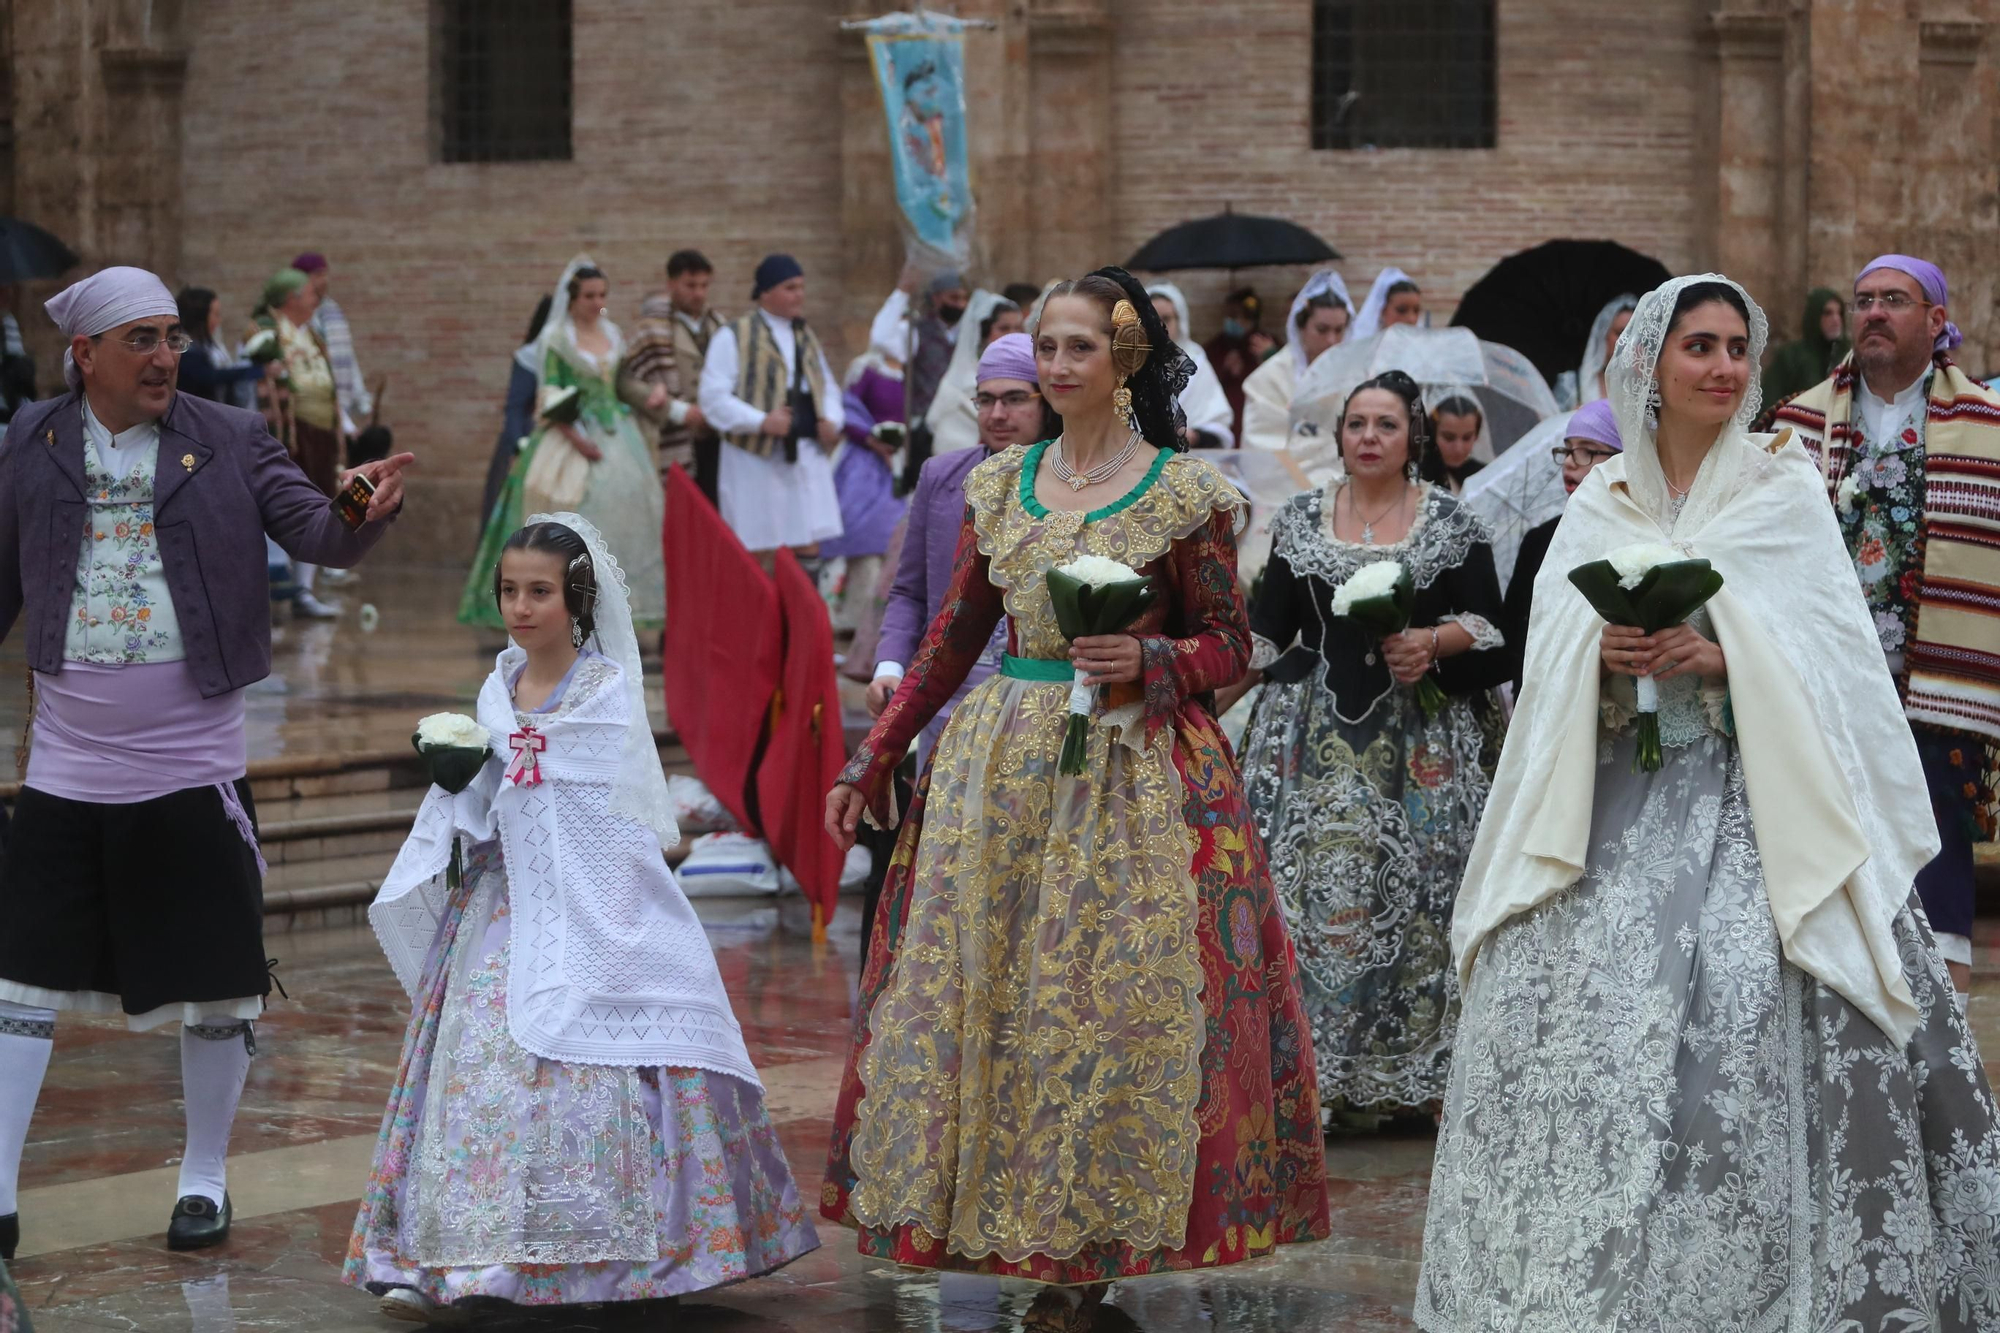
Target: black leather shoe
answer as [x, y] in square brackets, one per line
[10, 1236]
[197, 1223]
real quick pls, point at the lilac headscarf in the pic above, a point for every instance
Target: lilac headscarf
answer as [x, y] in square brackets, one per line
[104, 300]
[1009, 357]
[1929, 277]
[1596, 422]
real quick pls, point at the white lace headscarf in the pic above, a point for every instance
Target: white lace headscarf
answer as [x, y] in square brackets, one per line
[1595, 356]
[1369, 322]
[639, 792]
[560, 330]
[1632, 380]
[1326, 282]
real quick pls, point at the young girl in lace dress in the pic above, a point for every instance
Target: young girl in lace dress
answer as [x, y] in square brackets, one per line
[575, 1118]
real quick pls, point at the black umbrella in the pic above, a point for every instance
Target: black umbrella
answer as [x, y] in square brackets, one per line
[1541, 302]
[1231, 240]
[26, 251]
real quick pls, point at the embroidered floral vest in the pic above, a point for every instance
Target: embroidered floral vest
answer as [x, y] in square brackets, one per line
[121, 611]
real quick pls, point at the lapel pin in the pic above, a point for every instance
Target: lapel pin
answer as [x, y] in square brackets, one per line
[187, 461]
[52, 439]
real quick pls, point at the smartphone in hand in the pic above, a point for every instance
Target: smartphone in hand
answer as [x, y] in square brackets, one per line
[352, 501]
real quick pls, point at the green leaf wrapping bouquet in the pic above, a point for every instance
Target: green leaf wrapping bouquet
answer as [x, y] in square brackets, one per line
[562, 407]
[262, 348]
[1651, 587]
[1092, 595]
[454, 748]
[1379, 598]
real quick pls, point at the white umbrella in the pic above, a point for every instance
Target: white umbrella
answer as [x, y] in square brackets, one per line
[1512, 395]
[1520, 490]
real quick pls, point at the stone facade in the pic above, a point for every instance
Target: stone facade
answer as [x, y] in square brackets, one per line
[213, 141]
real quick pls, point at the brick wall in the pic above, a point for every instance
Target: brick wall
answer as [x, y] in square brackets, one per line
[720, 126]
[695, 124]
[1596, 139]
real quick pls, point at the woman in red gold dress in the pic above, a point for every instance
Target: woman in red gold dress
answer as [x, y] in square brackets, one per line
[1081, 1053]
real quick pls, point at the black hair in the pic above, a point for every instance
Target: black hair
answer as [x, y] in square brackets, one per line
[1022, 294]
[1698, 294]
[580, 580]
[1154, 366]
[919, 74]
[195, 303]
[541, 317]
[1398, 287]
[688, 261]
[1318, 301]
[1405, 388]
[1458, 405]
[999, 309]
[583, 275]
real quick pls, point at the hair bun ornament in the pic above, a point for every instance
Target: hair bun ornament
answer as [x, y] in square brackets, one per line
[1129, 344]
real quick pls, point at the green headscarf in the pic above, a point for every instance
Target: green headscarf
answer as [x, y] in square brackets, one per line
[1800, 365]
[280, 287]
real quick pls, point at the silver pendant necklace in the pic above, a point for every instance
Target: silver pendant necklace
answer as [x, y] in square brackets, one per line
[1104, 471]
[1368, 524]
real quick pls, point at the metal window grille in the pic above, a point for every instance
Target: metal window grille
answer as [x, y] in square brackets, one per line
[1403, 74]
[501, 80]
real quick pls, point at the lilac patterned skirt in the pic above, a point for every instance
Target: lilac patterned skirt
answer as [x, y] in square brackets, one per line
[501, 1175]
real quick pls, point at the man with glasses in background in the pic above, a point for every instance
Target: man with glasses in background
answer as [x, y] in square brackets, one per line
[1910, 447]
[132, 523]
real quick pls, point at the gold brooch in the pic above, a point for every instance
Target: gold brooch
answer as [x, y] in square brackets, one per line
[52, 439]
[187, 461]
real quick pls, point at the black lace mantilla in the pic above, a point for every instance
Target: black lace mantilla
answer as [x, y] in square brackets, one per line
[1157, 385]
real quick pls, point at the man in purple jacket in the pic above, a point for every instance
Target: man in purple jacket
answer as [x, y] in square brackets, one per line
[132, 559]
[1011, 412]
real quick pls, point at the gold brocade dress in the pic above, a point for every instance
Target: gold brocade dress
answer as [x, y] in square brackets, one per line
[1084, 1055]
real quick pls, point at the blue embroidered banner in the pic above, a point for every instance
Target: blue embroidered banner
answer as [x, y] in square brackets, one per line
[919, 64]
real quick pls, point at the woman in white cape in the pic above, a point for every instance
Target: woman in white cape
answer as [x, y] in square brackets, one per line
[575, 1118]
[1209, 416]
[1709, 1076]
[1586, 384]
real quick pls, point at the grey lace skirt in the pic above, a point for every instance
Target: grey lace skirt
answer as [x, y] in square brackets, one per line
[1654, 1122]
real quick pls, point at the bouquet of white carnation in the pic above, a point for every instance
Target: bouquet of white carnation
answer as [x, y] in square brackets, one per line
[1650, 587]
[1092, 595]
[454, 748]
[262, 348]
[562, 406]
[1379, 598]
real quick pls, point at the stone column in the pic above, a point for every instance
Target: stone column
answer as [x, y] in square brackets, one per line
[1070, 122]
[1746, 122]
[97, 139]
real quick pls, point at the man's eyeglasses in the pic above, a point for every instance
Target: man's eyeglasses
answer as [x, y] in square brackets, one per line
[145, 342]
[1580, 454]
[1893, 302]
[1020, 398]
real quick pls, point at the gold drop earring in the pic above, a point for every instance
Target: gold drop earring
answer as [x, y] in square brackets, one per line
[1121, 400]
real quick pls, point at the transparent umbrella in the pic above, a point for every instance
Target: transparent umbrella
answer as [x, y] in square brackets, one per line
[1512, 395]
[1520, 490]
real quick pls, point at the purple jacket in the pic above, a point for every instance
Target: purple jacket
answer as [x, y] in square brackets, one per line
[930, 545]
[221, 484]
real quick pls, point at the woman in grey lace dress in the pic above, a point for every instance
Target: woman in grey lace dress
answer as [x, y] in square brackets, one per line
[1366, 806]
[1709, 1075]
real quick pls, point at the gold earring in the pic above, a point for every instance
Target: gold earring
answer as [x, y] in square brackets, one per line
[1121, 400]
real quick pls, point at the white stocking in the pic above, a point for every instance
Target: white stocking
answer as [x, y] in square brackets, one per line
[215, 1057]
[304, 574]
[26, 1037]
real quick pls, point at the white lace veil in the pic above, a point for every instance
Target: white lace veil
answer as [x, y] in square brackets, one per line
[639, 792]
[1631, 380]
[1594, 354]
[559, 330]
[961, 373]
[1326, 282]
[1369, 322]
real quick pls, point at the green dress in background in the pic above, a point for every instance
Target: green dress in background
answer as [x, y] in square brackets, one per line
[623, 497]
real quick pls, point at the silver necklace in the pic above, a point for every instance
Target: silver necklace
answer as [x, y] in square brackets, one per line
[1104, 471]
[1368, 524]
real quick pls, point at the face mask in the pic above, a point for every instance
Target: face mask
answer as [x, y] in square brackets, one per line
[951, 314]
[1234, 328]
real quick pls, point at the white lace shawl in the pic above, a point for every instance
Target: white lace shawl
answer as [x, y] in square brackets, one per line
[610, 964]
[1837, 795]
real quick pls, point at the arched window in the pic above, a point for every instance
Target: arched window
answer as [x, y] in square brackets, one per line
[1403, 74]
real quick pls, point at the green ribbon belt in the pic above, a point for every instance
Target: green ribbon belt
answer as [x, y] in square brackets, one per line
[1058, 669]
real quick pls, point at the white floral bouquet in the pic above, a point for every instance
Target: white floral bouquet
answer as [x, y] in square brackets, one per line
[1379, 598]
[1092, 595]
[562, 407]
[1651, 587]
[454, 748]
[262, 348]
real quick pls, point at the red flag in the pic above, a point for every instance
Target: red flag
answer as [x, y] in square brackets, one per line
[723, 648]
[807, 747]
